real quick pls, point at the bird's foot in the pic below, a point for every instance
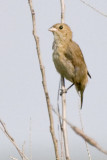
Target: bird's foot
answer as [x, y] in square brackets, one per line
[63, 91]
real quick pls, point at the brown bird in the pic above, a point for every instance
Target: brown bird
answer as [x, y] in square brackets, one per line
[68, 58]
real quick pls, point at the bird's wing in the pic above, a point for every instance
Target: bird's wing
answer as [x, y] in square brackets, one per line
[75, 55]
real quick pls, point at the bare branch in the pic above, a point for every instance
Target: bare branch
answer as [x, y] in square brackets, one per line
[30, 139]
[23, 150]
[60, 133]
[44, 81]
[13, 158]
[89, 155]
[96, 10]
[80, 133]
[3, 128]
[62, 10]
[64, 128]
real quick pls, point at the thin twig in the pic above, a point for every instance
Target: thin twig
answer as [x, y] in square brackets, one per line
[89, 155]
[3, 128]
[61, 142]
[62, 10]
[61, 145]
[44, 81]
[96, 10]
[30, 139]
[58, 108]
[13, 158]
[81, 134]
[23, 147]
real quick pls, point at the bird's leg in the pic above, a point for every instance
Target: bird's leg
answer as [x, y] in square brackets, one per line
[65, 90]
[70, 86]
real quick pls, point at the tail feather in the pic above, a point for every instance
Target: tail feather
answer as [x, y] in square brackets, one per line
[80, 89]
[81, 94]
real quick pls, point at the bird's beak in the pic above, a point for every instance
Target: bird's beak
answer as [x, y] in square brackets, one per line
[52, 29]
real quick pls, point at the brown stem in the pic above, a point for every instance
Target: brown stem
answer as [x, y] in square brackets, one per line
[3, 128]
[82, 134]
[44, 81]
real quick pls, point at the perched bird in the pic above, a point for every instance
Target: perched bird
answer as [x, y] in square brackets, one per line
[68, 58]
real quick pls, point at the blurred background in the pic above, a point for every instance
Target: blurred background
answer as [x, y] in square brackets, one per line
[21, 92]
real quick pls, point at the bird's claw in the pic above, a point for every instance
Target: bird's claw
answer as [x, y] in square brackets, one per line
[63, 91]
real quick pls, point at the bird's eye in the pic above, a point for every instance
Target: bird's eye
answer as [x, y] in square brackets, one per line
[61, 27]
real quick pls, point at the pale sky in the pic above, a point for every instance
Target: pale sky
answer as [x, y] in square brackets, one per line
[21, 91]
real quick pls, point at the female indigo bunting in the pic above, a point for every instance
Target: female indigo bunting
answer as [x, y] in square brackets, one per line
[68, 58]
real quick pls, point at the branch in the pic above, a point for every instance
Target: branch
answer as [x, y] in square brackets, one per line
[13, 158]
[62, 10]
[89, 155]
[3, 128]
[96, 10]
[44, 80]
[64, 128]
[30, 139]
[81, 134]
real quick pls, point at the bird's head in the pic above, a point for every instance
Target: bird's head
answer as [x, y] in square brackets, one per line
[61, 31]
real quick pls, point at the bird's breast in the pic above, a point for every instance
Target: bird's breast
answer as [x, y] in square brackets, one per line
[63, 66]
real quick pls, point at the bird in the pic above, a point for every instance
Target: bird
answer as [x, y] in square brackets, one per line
[68, 58]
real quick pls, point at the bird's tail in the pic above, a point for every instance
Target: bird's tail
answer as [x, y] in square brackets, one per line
[80, 89]
[81, 95]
